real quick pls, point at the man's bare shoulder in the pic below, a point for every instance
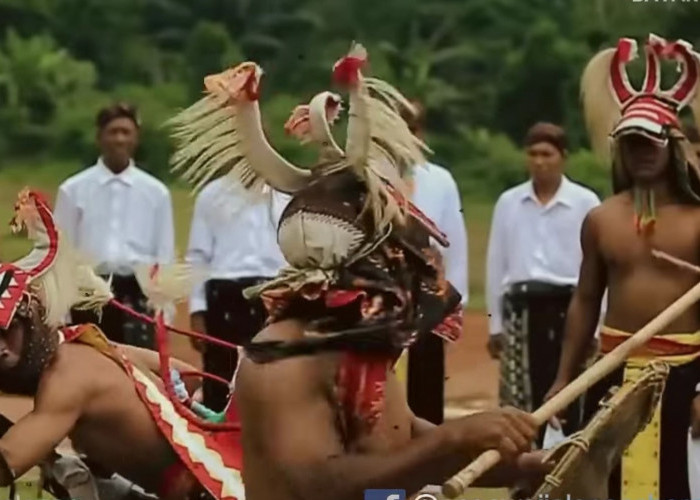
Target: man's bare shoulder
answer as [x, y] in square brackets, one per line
[613, 202]
[68, 379]
[609, 207]
[285, 330]
[290, 375]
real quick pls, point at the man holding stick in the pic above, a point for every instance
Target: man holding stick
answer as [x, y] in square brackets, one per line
[316, 390]
[655, 179]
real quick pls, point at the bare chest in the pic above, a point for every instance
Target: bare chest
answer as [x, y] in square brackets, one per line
[675, 233]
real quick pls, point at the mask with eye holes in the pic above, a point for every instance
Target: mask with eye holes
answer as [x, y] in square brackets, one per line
[39, 346]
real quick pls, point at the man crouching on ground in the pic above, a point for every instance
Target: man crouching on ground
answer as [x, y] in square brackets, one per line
[84, 387]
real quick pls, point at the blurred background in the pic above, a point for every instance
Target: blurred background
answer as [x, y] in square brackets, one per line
[485, 70]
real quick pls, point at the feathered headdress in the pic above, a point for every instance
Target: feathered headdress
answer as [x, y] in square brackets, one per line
[222, 133]
[312, 122]
[613, 107]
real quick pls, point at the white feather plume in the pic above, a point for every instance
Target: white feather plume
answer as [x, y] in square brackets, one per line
[169, 284]
[601, 111]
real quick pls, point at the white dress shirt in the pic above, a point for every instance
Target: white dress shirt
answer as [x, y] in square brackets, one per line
[531, 241]
[437, 196]
[118, 220]
[234, 236]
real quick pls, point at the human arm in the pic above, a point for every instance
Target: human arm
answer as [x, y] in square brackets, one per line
[200, 251]
[165, 235]
[58, 405]
[314, 466]
[420, 427]
[456, 255]
[584, 309]
[695, 417]
[496, 270]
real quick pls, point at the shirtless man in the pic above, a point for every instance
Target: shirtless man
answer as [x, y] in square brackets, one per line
[293, 434]
[322, 413]
[655, 207]
[104, 397]
[81, 394]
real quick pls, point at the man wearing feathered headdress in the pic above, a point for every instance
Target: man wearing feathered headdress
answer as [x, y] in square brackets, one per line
[105, 397]
[656, 206]
[322, 412]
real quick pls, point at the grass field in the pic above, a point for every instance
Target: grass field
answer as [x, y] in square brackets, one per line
[47, 178]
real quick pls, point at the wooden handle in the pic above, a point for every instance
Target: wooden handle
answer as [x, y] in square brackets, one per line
[456, 485]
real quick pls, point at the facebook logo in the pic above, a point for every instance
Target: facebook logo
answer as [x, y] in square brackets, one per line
[385, 494]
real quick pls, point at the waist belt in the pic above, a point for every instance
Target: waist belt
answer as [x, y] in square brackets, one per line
[640, 472]
[675, 349]
[539, 289]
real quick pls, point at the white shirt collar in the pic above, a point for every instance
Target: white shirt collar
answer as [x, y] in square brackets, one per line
[106, 175]
[564, 194]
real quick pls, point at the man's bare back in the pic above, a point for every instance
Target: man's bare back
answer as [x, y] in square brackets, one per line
[640, 285]
[294, 445]
[88, 397]
[135, 447]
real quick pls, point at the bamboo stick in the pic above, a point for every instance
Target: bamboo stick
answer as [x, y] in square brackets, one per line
[461, 481]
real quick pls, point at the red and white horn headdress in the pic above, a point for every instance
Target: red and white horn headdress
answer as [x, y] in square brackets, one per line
[613, 107]
[52, 272]
[34, 214]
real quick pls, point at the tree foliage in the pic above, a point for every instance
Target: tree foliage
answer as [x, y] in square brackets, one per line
[485, 69]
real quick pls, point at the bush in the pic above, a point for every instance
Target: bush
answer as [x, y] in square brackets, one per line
[589, 170]
[488, 163]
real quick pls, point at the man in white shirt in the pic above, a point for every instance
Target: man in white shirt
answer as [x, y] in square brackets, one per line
[435, 193]
[119, 216]
[533, 260]
[235, 237]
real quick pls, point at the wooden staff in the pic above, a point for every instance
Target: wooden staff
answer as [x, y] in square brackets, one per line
[605, 365]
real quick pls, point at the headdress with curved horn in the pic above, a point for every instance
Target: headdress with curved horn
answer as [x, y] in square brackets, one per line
[311, 123]
[650, 111]
[223, 132]
[52, 271]
[613, 108]
[352, 251]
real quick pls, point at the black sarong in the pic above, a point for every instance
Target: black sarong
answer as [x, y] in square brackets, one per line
[534, 317]
[231, 317]
[118, 325]
[426, 378]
